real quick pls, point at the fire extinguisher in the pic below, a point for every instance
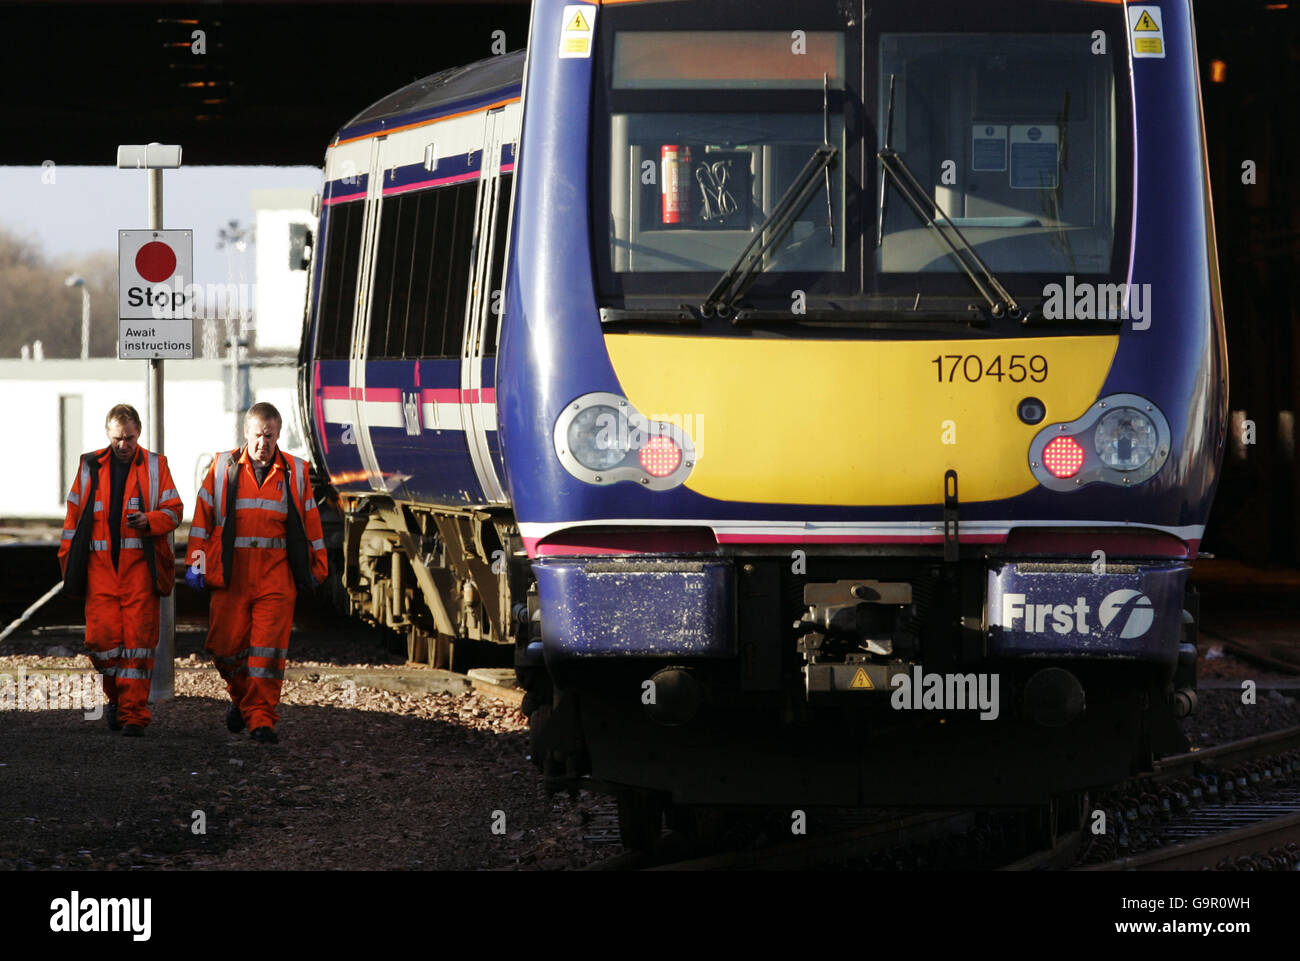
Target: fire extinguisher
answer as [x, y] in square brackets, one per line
[675, 183]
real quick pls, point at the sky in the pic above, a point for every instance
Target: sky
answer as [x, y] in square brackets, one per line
[83, 209]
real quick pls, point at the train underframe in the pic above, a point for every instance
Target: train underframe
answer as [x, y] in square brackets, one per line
[811, 710]
[802, 705]
[446, 581]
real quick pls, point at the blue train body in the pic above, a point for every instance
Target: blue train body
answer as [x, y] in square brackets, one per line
[563, 414]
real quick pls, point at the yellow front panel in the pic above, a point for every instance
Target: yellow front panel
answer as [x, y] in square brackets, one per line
[784, 421]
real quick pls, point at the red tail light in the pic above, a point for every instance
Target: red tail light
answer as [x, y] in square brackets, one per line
[660, 456]
[1063, 456]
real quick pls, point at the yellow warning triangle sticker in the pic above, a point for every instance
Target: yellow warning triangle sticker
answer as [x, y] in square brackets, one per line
[1146, 23]
[579, 23]
[860, 680]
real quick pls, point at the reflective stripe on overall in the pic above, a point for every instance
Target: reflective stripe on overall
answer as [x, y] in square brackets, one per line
[252, 617]
[122, 601]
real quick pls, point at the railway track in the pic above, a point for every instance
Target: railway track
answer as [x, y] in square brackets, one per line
[1235, 806]
[1248, 837]
[816, 850]
[838, 847]
[1272, 653]
[857, 840]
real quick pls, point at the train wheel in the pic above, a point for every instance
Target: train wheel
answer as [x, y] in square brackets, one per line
[640, 818]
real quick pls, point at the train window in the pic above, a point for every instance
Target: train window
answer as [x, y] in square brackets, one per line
[424, 207]
[339, 282]
[1025, 170]
[387, 255]
[422, 266]
[449, 271]
[496, 280]
[1014, 120]
[433, 272]
[716, 178]
[422, 273]
[706, 134]
[394, 258]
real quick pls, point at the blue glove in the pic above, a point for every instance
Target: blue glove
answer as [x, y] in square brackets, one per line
[194, 579]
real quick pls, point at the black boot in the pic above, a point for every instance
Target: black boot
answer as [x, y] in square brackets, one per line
[133, 730]
[234, 720]
[110, 716]
[265, 735]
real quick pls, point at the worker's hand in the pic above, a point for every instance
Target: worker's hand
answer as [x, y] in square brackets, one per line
[194, 579]
[139, 520]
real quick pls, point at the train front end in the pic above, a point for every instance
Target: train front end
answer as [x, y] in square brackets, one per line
[862, 394]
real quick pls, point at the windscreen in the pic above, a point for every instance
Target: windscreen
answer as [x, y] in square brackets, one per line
[1013, 138]
[689, 186]
[1013, 119]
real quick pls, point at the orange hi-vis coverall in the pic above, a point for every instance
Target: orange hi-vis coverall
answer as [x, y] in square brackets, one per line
[122, 602]
[253, 543]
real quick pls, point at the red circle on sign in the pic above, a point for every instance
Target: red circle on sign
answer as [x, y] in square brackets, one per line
[155, 262]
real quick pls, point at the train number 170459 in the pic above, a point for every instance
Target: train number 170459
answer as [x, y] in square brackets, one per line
[973, 368]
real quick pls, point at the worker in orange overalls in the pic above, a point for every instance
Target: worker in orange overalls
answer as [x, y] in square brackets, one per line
[256, 534]
[116, 553]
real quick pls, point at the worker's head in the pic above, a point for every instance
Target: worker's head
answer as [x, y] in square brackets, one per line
[261, 432]
[122, 427]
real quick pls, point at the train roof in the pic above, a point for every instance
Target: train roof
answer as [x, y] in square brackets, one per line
[459, 88]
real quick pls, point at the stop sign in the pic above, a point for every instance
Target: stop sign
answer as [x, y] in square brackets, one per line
[156, 293]
[147, 261]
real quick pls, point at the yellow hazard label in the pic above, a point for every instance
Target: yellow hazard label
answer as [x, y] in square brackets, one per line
[577, 29]
[1146, 28]
[861, 681]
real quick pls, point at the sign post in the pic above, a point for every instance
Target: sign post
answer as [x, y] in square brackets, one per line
[156, 157]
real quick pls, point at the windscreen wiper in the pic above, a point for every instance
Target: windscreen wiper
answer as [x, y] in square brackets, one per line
[826, 139]
[733, 284]
[891, 162]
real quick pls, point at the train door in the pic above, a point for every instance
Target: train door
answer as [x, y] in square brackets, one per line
[419, 298]
[337, 266]
[478, 352]
[360, 411]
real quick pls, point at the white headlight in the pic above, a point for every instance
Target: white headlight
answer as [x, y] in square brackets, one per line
[595, 439]
[602, 439]
[1126, 439]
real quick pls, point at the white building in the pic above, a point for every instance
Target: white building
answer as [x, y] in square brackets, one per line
[281, 291]
[57, 407]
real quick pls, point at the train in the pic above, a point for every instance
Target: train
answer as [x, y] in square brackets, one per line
[703, 363]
